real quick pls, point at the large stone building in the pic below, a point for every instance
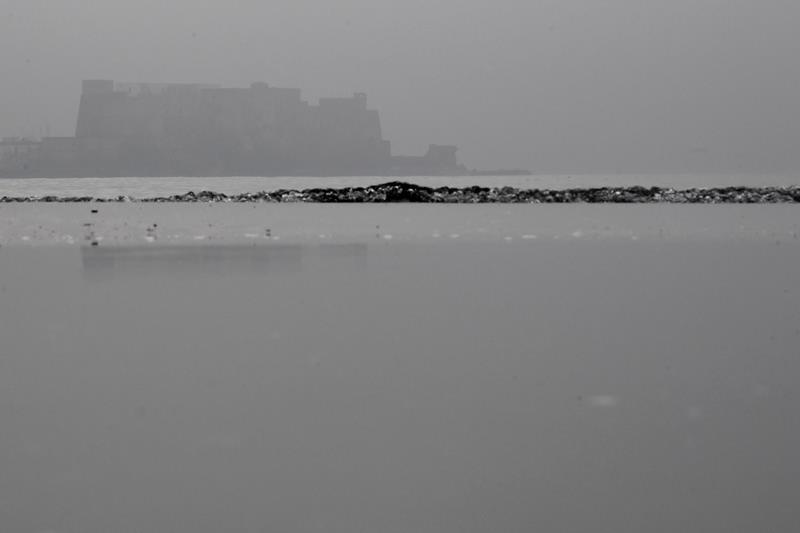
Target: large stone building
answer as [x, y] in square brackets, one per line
[145, 129]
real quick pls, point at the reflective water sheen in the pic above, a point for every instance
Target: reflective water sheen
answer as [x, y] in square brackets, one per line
[549, 385]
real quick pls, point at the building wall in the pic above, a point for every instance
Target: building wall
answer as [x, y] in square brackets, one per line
[17, 147]
[190, 128]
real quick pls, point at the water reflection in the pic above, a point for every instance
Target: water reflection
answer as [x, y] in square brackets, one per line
[101, 263]
[562, 385]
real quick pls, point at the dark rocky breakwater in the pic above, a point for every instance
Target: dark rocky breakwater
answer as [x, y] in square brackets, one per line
[396, 192]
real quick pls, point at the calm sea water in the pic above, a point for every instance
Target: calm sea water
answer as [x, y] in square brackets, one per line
[570, 385]
[609, 369]
[147, 187]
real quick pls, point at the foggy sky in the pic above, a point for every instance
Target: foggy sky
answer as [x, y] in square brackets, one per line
[550, 85]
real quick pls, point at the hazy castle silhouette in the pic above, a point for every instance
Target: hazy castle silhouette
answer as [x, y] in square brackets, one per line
[147, 129]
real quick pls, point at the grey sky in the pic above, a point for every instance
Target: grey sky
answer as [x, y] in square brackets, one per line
[551, 85]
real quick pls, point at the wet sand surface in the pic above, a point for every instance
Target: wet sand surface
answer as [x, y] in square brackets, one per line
[416, 369]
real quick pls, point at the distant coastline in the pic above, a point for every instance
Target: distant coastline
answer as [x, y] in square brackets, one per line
[197, 130]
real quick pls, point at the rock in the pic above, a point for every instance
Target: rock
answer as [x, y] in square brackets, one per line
[398, 192]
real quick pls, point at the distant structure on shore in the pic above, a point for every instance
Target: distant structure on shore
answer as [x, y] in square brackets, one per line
[148, 129]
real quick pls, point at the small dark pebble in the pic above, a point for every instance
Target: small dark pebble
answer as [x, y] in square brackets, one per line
[397, 192]
[94, 211]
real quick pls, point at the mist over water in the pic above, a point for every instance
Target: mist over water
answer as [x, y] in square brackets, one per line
[398, 368]
[689, 86]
